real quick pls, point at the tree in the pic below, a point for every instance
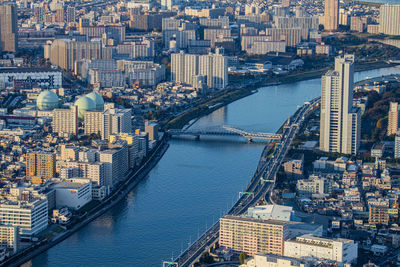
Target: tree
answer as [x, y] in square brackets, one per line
[206, 258]
[242, 257]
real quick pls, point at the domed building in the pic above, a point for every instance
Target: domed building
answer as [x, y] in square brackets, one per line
[84, 104]
[47, 100]
[97, 99]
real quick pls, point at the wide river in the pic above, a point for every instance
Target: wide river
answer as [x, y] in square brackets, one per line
[192, 185]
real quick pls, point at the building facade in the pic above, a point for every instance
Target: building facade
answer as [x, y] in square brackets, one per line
[389, 19]
[339, 250]
[41, 164]
[331, 16]
[65, 121]
[393, 121]
[340, 122]
[252, 236]
[8, 28]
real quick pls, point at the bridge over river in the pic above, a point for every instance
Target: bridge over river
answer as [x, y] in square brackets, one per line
[225, 131]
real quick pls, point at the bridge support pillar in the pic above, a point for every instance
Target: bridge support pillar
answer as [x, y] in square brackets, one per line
[249, 140]
[197, 137]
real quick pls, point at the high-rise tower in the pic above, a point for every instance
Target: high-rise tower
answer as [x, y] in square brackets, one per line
[8, 28]
[340, 122]
[331, 17]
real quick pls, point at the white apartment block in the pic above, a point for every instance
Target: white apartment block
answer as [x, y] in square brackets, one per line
[340, 123]
[106, 78]
[389, 19]
[184, 67]
[339, 250]
[95, 171]
[292, 36]
[116, 164]
[146, 73]
[110, 121]
[65, 121]
[297, 22]
[30, 217]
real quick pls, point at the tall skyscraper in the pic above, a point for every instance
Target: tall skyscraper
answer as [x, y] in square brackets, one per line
[389, 19]
[393, 122]
[331, 15]
[8, 28]
[340, 122]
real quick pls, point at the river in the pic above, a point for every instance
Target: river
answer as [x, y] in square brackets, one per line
[192, 185]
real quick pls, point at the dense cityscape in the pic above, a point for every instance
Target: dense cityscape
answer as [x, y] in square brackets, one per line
[105, 102]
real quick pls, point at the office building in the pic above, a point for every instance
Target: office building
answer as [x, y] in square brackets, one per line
[73, 193]
[389, 19]
[251, 235]
[65, 121]
[340, 250]
[313, 185]
[331, 16]
[184, 67]
[340, 122]
[9, 237]
[378, 214]
[41, 164]
[8, 28]
[29, 216]
[393, 121]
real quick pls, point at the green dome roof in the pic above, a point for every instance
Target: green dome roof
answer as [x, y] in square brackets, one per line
[84, 104]
[97, 99]
[47, 100]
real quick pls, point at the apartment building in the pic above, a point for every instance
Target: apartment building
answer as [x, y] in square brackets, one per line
[252, 236]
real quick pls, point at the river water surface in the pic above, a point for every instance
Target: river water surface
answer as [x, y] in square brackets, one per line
[192, 185]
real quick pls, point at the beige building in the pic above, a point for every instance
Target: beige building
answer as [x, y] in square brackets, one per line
[340, 122]
[41, 164]
[393, 121]
[339, 250]
[8, 28]
[331, 17]
[252, 236]
[108, 122]
[9, 237]
[65, 121]
[69, 153]
[389, 19]
[64, 53]
[378, 214]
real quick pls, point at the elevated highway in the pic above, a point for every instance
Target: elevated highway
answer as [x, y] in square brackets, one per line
[260, 187]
